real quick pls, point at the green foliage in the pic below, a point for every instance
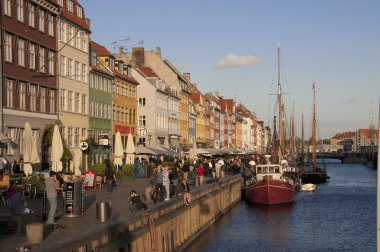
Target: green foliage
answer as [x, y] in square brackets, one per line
[38, 181]
[127, 170]
[98, 168]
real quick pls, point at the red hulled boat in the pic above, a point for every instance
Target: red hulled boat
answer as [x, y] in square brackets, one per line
[269, 186]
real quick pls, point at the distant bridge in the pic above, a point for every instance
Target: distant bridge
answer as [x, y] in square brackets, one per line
[345, 157]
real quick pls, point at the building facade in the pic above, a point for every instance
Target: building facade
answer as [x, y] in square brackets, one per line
[29, 82]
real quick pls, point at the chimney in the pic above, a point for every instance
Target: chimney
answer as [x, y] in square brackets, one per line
[158, 51]
[138, 55]
[187, 77]
[121, 49]
[217, 93]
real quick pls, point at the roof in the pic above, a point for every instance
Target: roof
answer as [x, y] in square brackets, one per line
[367, 132]
[344, 135]
[73, 17]
[100, 50]
[227, 103]
[125, 77]
[147, 71]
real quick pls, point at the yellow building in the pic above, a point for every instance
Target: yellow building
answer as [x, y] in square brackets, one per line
[200, 108]
[124, 96]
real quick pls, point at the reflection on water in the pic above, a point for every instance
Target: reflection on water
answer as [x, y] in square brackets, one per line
[339, 216]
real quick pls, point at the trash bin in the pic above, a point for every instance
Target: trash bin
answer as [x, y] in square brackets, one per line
[102, 211]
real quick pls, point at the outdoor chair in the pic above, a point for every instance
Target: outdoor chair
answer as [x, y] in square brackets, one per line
[99, 181]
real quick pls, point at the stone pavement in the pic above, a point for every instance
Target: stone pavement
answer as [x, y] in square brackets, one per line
[119, 200]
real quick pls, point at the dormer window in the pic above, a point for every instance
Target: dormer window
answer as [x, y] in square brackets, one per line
[70, 6]
[120, 67]
[79, 12]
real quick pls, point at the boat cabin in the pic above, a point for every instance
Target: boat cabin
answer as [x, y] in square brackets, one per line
[268, 170]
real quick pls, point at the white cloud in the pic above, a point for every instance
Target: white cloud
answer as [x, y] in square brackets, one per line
[232, 60]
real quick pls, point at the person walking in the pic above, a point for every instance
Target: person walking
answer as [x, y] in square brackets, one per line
[200, 171]
[109, 176]
[158, 185]
[52, 186]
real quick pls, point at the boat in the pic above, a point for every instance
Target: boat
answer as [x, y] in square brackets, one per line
[313, 173]
[308, 187]
[270, 184]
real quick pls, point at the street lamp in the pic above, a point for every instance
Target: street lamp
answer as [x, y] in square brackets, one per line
[149, 137]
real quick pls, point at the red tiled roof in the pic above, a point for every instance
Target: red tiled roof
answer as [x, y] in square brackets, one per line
[100, 50]
[125, 77]
[147, 71]
[367, 132]
[195, 97]
[229, 103]
[73, 17]
[344, 135]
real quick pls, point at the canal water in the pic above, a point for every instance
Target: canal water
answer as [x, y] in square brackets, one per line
[339, 216]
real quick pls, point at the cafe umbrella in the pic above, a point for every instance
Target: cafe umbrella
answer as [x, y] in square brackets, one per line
[56, 150]
[130, 150]
[118, 151]
[29, 148]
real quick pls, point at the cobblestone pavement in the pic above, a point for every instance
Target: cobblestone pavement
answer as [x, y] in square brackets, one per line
[118, 199]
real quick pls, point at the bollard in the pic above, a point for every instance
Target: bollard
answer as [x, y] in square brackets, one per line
[34, 233]
[102, 211]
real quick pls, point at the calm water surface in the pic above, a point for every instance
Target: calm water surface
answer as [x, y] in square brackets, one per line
[339, 216]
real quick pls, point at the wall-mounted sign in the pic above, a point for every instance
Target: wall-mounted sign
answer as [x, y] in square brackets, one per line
[142, 131]
[83, 145]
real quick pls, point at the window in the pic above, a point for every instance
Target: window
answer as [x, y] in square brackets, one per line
[63, 100]
[62, 65]
[41, 20]
[8, 47]
[43, 99]
[21, 140]
[84, 131]
[70, 101]
[70, 6]
[21, 52]
[70, 68]
[33, 97]
[109, 112]
[60, 3]
[134, 116]
[77, 71]
[9, 93]
[51, 63]
[63, 132]
[61, 31]
[41, 57]
[52, 101]
[22, 95]
[76, 38]
[83, 105]
[91, 112]
[100, 110]
[69, 34]
[31, 14]
[142, 121]
[76, 103]
[76, 139]
[32, 56]
[105, 115]
[51, 25]
[12, 135]
[84, 73]
[83, 41]
[20, 10]
[7, 7]
[79, 11]
[70, 136]
[96, 105]
[142, 101]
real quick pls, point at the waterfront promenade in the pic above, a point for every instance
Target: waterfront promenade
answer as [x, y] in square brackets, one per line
[79, 225]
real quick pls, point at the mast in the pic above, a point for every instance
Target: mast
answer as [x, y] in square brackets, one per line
[280, 128]
[303, 143]
[274, 142]
[314, 136]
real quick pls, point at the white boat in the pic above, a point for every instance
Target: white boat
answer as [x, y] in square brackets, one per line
[308, 187]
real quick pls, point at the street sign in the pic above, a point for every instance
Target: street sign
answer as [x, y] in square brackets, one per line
[83, 145]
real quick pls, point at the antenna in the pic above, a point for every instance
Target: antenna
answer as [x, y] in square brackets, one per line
[114, 46]
[125, 42]
[141, 43]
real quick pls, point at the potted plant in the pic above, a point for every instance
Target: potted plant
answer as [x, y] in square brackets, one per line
[98, 168]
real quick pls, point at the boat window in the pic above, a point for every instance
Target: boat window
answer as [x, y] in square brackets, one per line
[277, 169]
[259, 170]
[265, 170]
[271, 169]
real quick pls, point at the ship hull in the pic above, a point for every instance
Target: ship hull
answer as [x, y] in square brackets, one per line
[270, 192]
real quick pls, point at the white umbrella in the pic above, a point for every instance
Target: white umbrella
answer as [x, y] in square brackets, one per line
[56, 150]
[77, 153]
[193, 152]
[118, 151]
[29, 149]
[130, 149]
[142, 150]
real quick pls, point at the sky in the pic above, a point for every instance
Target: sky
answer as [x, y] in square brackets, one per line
[231, 47]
